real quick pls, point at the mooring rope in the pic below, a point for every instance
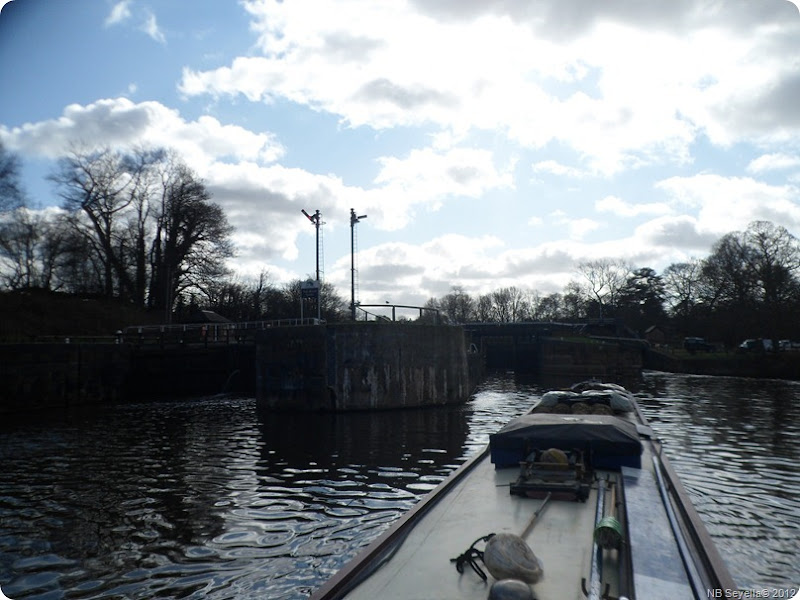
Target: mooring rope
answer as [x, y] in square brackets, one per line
[471, 556]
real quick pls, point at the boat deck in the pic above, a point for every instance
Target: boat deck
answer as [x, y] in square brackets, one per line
[561, 538]
[666, 552]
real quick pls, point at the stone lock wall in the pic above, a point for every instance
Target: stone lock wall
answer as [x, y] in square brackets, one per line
[43, 376]
[359, 366]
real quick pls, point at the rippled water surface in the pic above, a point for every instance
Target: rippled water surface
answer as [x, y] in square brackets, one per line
[735, 443]
[211, 499]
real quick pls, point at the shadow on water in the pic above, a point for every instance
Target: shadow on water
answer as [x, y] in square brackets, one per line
[334, 440]
[207, 498]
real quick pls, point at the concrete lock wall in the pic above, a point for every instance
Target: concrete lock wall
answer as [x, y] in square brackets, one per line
[358, 366]
[186, 371]
[610, 361]
[42, 376]
[39, 376]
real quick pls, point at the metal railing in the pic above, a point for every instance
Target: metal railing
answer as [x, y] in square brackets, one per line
[205, 333]
[394, 307]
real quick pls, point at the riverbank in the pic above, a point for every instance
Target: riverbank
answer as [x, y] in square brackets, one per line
[764, 365]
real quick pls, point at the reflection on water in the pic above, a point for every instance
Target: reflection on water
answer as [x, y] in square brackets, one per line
[736, 445]
[211, 499]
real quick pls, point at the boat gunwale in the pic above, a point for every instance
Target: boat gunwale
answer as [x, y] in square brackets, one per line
[703, 545]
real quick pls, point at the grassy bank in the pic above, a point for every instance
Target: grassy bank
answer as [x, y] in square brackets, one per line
[778, 365]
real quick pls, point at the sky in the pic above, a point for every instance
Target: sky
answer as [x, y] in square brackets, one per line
[488, 143]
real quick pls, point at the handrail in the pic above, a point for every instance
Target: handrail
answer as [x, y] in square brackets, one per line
[394, 308]
[225, 325]
[206, 333]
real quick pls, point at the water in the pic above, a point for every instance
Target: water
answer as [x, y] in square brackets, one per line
[735, 443]
[210, 499]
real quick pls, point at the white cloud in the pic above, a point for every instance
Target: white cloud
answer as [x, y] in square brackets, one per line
[620, 94]
[118, 122]
[425, 270]
[151, 28]
[725, 204]
[260, 197]
[427, 176]
[579, 228]
[555, 168]
[485, 263]
[119, 12]
[773, 162]
[670, 233]
[264, 203]
[574, 89]
[620, 208]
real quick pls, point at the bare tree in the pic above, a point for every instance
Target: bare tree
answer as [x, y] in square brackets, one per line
[259, 295]
[20, 237]
[192, 237]
[726, 279]
[483, 308]
[501, 305]
[11, 193]
[773, 257]
[604, 279]
[458, 306]
[681, 287]
[148, 221]
[32, 244]
[95, 187]
[140, 165]
[550, 307]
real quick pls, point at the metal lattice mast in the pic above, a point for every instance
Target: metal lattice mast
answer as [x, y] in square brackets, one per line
[321, 252]
[353, 221]
[316, 219]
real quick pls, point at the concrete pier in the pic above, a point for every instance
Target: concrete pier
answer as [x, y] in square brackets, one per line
[361, 366]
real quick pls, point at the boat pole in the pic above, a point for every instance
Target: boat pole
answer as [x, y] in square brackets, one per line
[691, 569]
[532, 520]
[596, 573]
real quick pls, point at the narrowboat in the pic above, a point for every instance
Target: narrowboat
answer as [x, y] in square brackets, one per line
[573, 500]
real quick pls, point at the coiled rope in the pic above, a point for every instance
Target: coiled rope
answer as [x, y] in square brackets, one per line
[471, 556]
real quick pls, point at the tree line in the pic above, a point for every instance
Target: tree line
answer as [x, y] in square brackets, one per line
[137, 226]
[141, 227]
[748, 286]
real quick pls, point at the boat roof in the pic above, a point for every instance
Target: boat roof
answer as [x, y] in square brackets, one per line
[666, 551]
[538, 431]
